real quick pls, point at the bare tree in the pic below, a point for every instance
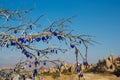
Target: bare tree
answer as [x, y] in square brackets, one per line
[19, 36]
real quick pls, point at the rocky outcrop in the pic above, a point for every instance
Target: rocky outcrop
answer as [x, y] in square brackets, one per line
[72, 69]
[82, 67]
[52, 69]
[107, 64]
[43, 69]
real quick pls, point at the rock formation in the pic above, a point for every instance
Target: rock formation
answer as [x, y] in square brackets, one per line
[52, 69]
[107, 64]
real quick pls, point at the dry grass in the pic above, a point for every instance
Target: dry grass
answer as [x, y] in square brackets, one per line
[87, 76]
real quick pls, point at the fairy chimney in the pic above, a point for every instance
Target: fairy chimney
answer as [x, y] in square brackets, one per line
[111, 58]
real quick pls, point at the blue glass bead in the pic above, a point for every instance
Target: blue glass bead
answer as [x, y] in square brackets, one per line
[31, 77]
[55, 34]
[72, 46]
[27, 55]
[23, 76]
[85, 63]
[51, 51]
[2, 37]
[14, 70]
[7, 45]
[46, 52]
[7, 19]
[44, 63]
[30, 27]
[22, 40]
[13, 43]
[43, 38]
[38, 39]
[15, 31]
[57, 67]
[51, 30]
[56, 51]
[78, 70]
[36, 63]
[80, 42]
[47, 37]
[23, 51]
[60, 38]
[34, 74]
[35, 71]
[38, 53]
[29, 65]
[30, 57]
[81, 75]
[27, 40]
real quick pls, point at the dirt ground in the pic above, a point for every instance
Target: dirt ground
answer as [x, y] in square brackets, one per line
[87, 76]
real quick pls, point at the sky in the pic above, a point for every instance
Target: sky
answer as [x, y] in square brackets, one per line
[99, 18]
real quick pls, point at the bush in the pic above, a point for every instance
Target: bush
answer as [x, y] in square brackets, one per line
[117, 72]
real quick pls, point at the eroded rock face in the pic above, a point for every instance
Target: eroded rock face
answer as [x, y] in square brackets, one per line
[106, 64]
[82, 68]
[62, 68]
[52, 69]
[43, 69]
[111, 58]
[117, 61]
[109, 64]
[15, 76]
